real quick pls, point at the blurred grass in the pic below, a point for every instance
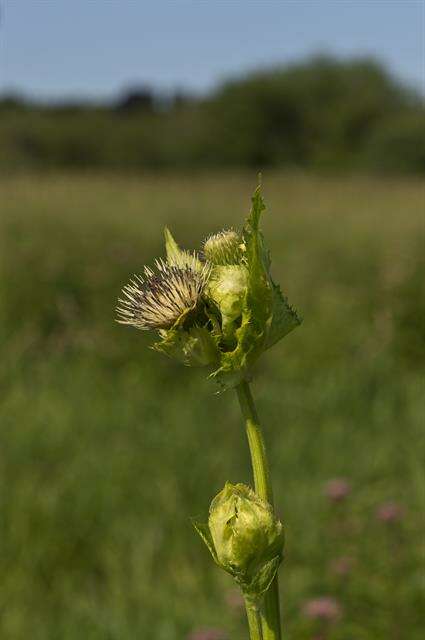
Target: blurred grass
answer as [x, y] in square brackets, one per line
[107, 449]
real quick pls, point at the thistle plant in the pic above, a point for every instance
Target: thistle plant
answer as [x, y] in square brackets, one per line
[221, 309]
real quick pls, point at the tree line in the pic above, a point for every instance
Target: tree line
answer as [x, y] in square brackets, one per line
[321, 113]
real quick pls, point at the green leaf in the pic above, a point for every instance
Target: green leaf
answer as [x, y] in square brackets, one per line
[257, 304]
[259, 294]
[284, 318]
[262, 580]
[204, 531]
[195, 347]
[235, 363]
[172, 249]
[266, 314]
[179, 257]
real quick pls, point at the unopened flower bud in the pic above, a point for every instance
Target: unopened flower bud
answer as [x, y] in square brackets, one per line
[227, 288]
[244, 537]
[223, 248]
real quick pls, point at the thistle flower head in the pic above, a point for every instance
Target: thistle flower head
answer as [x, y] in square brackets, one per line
[223, 248]
[221, 310]
[159, 298]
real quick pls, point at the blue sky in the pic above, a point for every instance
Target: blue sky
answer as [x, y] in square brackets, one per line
[94, 48]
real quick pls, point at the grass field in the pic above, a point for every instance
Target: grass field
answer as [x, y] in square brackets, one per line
[107, 448]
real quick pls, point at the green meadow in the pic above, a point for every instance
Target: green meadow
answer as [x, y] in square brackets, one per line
[107, 449]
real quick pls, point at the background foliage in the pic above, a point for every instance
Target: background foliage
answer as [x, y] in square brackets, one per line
[107, 448]
[322, 113]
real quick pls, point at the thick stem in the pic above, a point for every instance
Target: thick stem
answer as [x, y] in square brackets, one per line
[254, 621]
[270, 619]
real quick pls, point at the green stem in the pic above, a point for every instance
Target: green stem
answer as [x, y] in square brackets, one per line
[254, 622]
[271, 616]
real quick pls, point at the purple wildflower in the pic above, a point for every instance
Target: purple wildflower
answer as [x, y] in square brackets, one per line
[324, 608]
[390, 512]
[342, 566]
[234, 600]
[208, 634]
[337, 489]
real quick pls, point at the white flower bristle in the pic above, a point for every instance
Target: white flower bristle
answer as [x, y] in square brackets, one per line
[160, 297]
